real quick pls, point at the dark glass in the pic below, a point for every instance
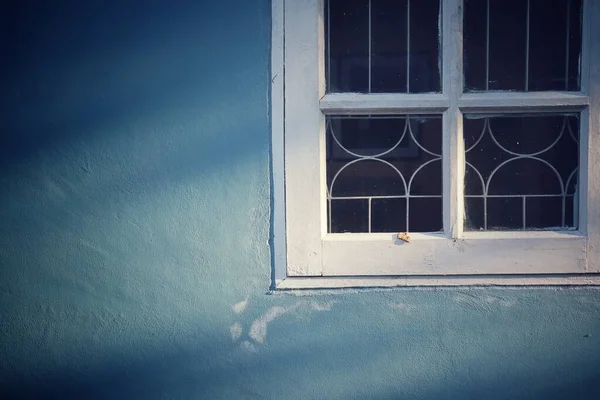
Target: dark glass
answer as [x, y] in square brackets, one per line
[528, 165]
[504, 213]
[555, 44]
[547, 44]
[349, 216]
[396, 64]
[388, 46]
[474, 47]
[474, 214]
[575, 15]
[364, 178]
[543, 212]
[570, 212]
[348, 45]
[374, 157]
[424, 46]
[427, 180]
[425, 214]
[507, 44]
[535, 48]
[388, 215]
[369, 136]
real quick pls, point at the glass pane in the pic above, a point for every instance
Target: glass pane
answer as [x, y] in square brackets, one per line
[388, 215]
[424, 71]
[349, 216]
[388, 46]
[425, 214]
[521, 171]
[377, 46]
[381, 162]
[555, 44]
[524, 45]
[347, 36]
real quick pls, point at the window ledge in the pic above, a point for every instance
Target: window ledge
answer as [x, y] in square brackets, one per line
[295, 283]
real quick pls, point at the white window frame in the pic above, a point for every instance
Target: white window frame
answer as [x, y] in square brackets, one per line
[306, 256]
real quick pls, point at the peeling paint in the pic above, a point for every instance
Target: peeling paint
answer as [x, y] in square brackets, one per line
[240, 307]
[321, 307]
[236, 331]
[258, 329]
[248, 346]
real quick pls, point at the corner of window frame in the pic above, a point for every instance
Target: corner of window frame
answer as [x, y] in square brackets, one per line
[298, 244]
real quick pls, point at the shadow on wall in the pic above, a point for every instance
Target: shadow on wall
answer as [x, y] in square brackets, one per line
[126, 131]
[429, 344]
[73, 71]
[306, 356]
[172, 378]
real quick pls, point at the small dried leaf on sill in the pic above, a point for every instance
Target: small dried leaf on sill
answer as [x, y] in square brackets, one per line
[404, 237]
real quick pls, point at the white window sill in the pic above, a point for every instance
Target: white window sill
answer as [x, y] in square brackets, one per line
[475, 254]
[294, 283]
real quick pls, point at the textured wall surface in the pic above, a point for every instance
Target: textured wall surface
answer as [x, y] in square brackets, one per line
[134, 236]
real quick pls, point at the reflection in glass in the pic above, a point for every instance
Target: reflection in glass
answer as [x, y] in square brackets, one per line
[382, 46]
[523, 45]
[521, 171]
[384, 173]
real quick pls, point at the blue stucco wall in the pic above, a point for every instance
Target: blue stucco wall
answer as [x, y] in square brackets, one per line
[135, 226]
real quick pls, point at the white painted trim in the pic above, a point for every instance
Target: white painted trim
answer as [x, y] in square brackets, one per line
[522, 101]
[473, 256]
[416, 281]
[517, 235]
[367, 237]
[304, 136]
[453, 159]
[386, 103]
[312, 252]
[523, 235]
[590, 138]
[277, 138]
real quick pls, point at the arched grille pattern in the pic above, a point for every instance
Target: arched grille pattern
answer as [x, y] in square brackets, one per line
[384, 173]
[521, 171]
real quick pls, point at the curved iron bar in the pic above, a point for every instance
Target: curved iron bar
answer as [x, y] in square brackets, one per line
[330, 191]
[573, 136]
[569, 181]
[486, 184]
[562, 131]
[417, 142]
[418, 169]
[364, 155]
[485, 124]
[479, 175]
[527, 157]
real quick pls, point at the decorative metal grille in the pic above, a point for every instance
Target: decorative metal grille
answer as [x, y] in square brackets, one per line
[521, 171]
[522, 44]
[384, 173]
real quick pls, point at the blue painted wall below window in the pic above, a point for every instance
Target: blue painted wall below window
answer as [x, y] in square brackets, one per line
[135, 253]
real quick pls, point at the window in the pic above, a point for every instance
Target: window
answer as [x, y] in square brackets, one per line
[428, 142]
